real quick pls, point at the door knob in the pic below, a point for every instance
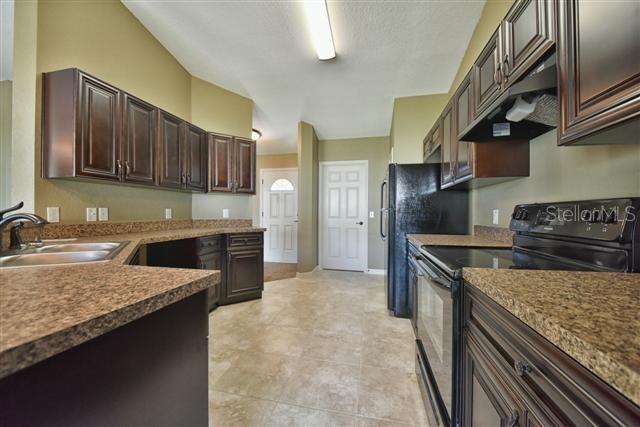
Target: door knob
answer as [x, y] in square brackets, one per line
[360, 223]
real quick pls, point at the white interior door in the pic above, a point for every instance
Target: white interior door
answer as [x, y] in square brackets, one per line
[343, 215]
[279, 213]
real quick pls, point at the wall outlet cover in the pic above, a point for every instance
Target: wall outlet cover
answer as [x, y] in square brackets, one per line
[92, 214]
[225, 213]
[103, 214]
[168, 213]
[496, 217]
[372, 214]
[53, 214]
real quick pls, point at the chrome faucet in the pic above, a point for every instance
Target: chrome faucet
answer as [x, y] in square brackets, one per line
[15, 241]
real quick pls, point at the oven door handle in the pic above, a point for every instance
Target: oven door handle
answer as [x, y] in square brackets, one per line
[432, 275]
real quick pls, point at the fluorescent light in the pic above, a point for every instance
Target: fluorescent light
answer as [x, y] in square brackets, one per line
[255, 134]
[318, 20]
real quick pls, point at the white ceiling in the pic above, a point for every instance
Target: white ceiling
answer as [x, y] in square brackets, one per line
[262, 50]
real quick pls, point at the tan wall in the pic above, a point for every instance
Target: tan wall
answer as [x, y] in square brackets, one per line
[106, 40]
[413, 116]
[5, 142]
[270, 161]
[376, 151]
[307, 197]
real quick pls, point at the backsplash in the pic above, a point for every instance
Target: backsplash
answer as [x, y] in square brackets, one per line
[494, 233]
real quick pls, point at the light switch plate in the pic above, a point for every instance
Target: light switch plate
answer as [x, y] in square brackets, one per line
[53, 214]
[496, 217]
[168, 213]
[92, 214]
[225, 213]
[103, 214]
[372, 214]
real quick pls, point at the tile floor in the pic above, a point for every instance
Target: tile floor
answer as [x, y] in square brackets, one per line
[314, 351]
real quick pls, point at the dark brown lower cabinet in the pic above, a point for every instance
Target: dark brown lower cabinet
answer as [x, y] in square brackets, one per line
[512, 376]
[245, 275]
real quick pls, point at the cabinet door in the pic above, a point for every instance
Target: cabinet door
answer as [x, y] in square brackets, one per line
[463, 105]
[139, 144]
[245, 166]
[599, 65]
[98, 140]
[171, 153]
[213, 261]
[244, 274]
[413, 295]
[528, 31]
[196, 158]
[448, 155]
[220, 158]
[487, 75]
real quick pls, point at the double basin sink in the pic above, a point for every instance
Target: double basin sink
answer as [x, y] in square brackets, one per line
[61, 253]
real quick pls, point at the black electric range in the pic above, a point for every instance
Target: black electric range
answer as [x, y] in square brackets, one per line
[595, 235]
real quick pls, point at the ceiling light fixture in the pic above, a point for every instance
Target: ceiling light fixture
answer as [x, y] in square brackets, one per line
[318, 21]
[255, 134]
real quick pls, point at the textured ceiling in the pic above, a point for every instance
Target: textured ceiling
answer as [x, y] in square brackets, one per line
[262, 50]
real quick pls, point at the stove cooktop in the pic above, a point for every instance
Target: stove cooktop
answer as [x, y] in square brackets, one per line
[454, 258]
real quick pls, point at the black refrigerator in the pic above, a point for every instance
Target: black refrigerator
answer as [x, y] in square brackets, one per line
[413, 203]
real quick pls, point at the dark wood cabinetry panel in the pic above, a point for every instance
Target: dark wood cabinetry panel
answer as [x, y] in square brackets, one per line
[528, 34]
[171, 154]
[533, 372]
[99, 140]
[139, 140]
[220, 162]
[598, 66]
[463, 104]
[244, 274]
[487, 76]
[446, 136]
[245, 165]
[213, 261]
[196, 158]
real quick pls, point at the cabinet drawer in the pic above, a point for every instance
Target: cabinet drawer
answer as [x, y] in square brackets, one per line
[208, 244]
[248, 239]
[549, 378]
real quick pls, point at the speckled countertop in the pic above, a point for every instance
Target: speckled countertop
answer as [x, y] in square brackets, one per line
[593, 317]
[456, 240]
[47, 310]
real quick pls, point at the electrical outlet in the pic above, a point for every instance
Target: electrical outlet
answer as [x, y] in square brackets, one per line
[372, 214]
[103, 214]
[92, 214]
[168, 213]
[496, 217]
[53, 214]
[225, 213]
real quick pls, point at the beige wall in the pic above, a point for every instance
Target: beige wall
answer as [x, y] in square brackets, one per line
[307, 197]
[5, 142]
[106, 40]
[270, 161]
[376, 151]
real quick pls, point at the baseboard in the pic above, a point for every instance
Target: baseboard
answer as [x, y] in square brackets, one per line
[376, 271]
[308, 273]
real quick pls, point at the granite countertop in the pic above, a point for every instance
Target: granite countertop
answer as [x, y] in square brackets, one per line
[593, 317]
[457, 240]
[47, 310]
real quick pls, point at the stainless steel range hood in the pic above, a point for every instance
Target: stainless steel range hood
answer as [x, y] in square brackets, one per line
[525, 110]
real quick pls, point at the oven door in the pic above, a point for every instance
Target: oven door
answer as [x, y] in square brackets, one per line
[435, 327]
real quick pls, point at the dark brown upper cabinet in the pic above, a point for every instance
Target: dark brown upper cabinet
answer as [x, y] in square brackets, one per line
[463, 105]
[598, 69]
[139, 140]
[446, 136]
[486, 74]
[245, 166]
[171, 162]
[196, 158]
[528, 32]
[220, 158]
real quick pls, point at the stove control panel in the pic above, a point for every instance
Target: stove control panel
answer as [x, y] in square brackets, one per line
[613, 219]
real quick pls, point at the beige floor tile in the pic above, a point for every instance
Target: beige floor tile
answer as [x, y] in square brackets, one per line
[323, 385]
[228, 410]
[333, 346]
[389, 352]
[382, 325]
[390, 394]
[290, 415]
[371, 422]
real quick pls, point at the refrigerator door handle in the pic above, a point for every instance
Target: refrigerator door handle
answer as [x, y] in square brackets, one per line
[382, 208]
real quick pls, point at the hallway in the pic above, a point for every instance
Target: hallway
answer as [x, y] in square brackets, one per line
[314, 351]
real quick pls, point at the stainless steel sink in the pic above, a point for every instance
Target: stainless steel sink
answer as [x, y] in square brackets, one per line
[67, 253]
